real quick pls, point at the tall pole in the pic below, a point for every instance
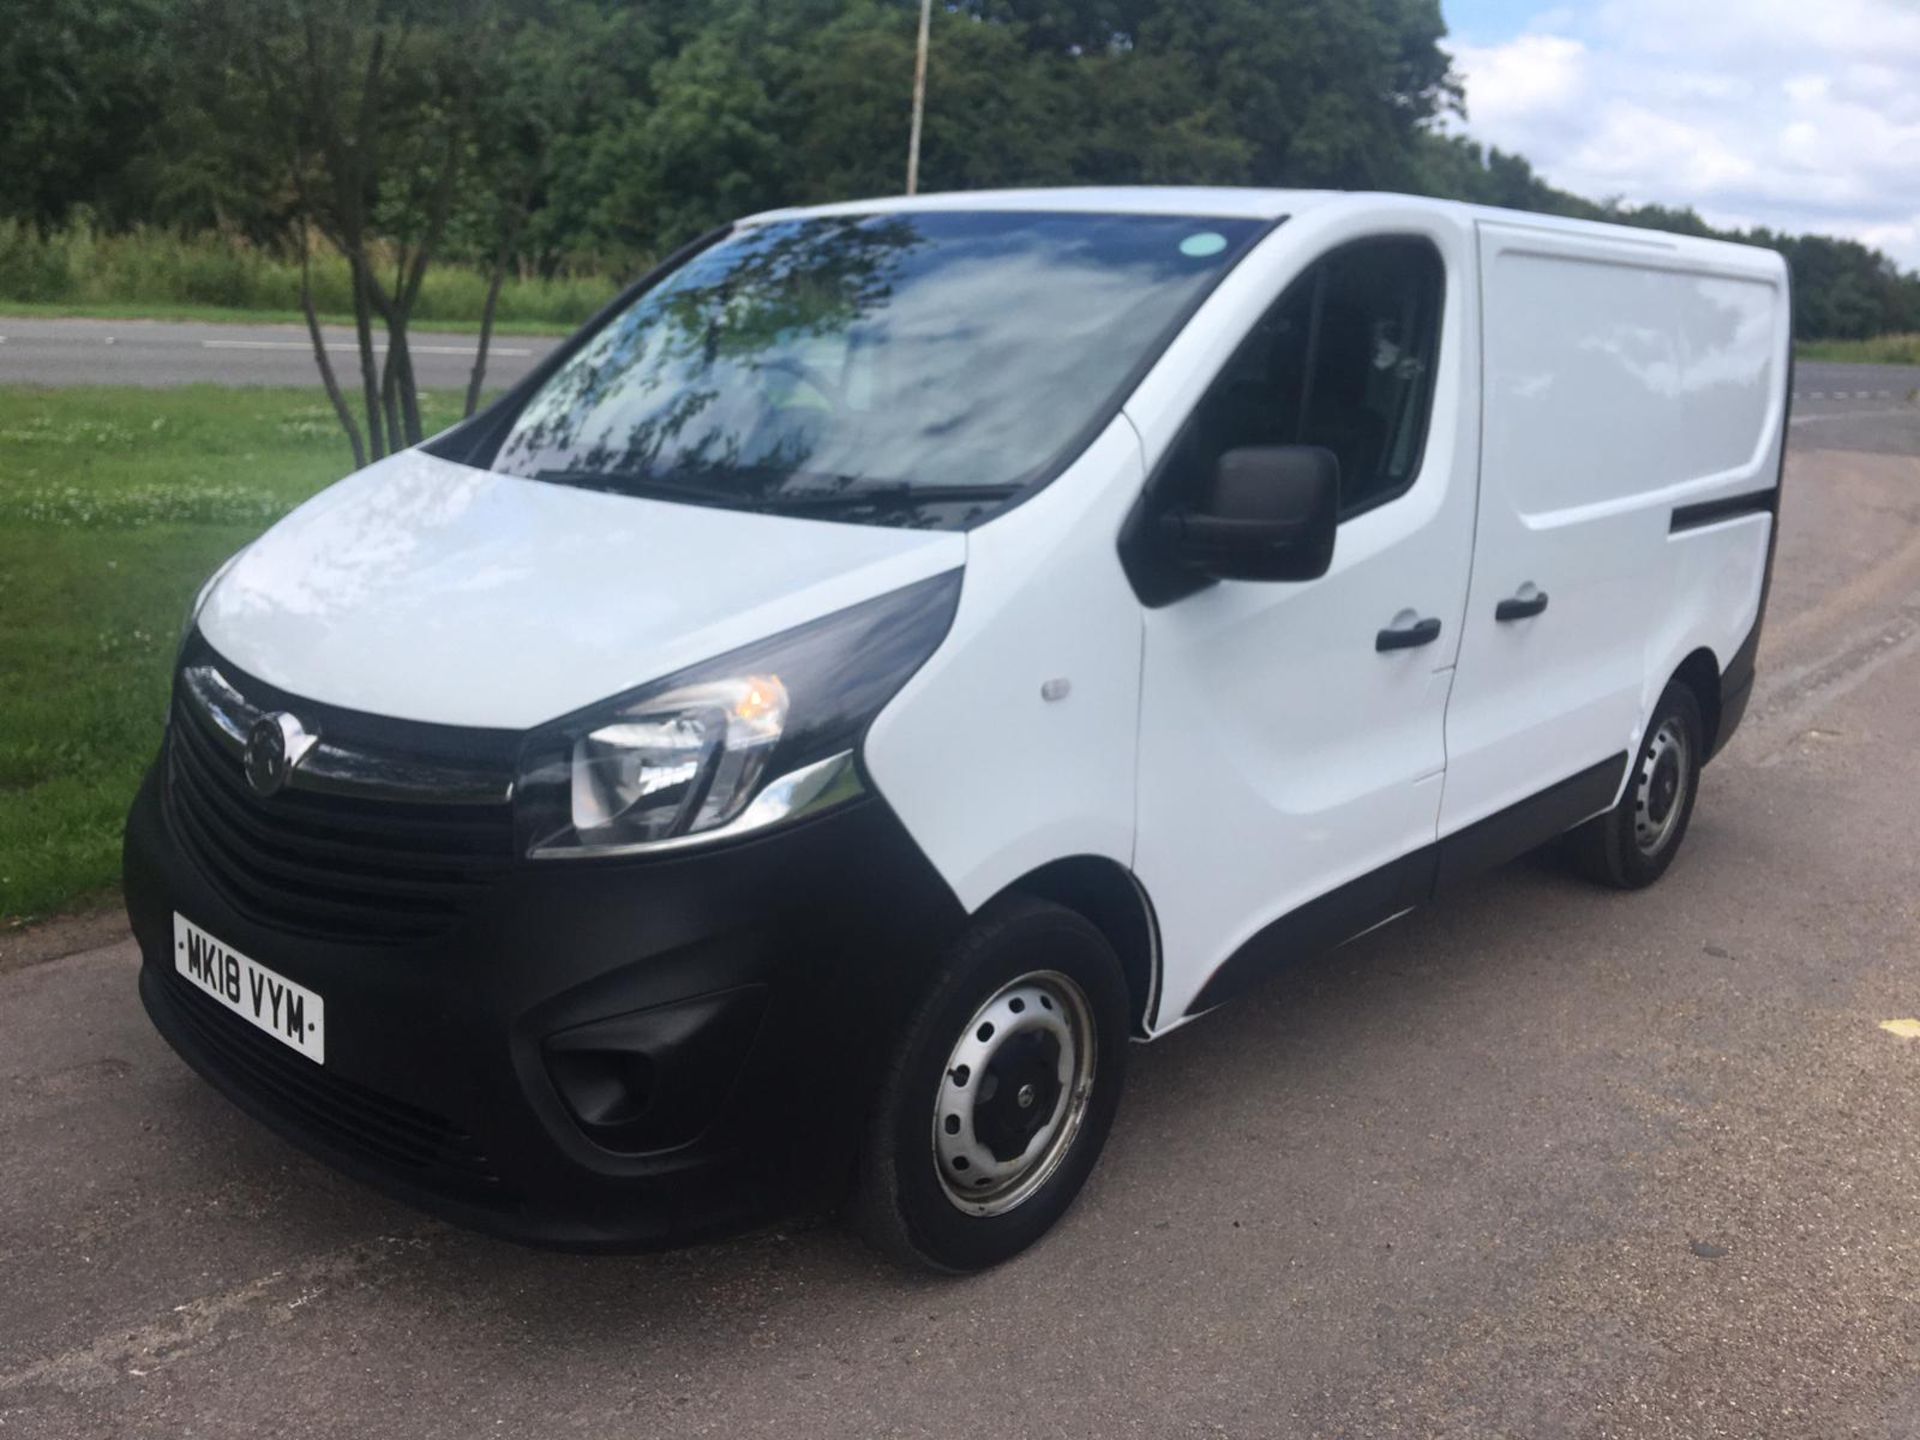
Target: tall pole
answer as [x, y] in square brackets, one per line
[919, 99]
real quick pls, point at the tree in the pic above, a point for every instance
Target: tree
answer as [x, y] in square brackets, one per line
[543, 137]
[81, 86]
[371, 110]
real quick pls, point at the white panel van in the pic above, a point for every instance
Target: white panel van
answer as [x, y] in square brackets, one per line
[781, 753]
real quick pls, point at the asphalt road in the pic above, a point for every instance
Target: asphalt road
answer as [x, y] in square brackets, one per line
[1543, 1161]
[164, 352]
[1878, 405]
[1858, 407]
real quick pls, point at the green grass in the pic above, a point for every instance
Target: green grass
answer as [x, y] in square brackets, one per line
[228, 315]
[156, 273]
[1881, 350]
[114, 505]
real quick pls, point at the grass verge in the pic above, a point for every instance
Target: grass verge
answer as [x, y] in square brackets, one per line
[114, 505]
[1881, 350]
[148, 271]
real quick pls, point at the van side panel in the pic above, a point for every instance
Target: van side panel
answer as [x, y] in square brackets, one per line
[1626, 378]
[1613, 379]
[1014, 745]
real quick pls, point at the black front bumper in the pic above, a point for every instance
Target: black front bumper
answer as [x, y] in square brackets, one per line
[758, 983]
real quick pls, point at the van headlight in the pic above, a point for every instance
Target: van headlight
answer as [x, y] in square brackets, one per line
[766, 734]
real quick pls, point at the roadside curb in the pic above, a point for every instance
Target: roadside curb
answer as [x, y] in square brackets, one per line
[35, 942]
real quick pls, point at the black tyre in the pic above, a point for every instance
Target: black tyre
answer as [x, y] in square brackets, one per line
[999, 1094]
[1632, 845]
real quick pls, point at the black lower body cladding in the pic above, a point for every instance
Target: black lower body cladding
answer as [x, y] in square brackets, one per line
[596, 1054]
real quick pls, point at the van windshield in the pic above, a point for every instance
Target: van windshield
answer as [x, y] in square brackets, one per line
[897, 369]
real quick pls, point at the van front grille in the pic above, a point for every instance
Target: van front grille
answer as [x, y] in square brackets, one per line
[391, 1133]
[323, 864]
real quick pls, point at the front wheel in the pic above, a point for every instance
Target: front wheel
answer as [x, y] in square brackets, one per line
[1632, 845]
[1000, 1092]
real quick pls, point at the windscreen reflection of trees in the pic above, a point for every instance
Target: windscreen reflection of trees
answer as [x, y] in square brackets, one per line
[836, 355]
[743, 308]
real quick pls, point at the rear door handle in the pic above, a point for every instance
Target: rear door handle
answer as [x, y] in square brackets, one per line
[1520, 607]
[1408, 637]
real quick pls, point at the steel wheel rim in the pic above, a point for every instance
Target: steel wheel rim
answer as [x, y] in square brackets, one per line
[1035, 1034]
[1660, 787]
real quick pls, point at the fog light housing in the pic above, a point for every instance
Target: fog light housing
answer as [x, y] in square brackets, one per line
[655, 1079]
[608, 1091]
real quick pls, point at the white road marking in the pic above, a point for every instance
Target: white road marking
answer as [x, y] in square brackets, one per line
[1850, 415]
[213, 1320]
[467, 350]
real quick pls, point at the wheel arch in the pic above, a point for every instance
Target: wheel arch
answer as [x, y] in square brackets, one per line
[1111, 898]
[1700, 673]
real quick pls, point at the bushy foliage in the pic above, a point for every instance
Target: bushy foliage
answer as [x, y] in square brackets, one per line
[82, 265]
[605, 132]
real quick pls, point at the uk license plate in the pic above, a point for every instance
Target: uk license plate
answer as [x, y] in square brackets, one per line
[291, 1013]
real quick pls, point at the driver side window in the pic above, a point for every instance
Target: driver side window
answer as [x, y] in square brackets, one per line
[1344, 359]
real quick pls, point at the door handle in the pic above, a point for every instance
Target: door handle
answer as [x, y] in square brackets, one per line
[1408, 637]
[1520, 607]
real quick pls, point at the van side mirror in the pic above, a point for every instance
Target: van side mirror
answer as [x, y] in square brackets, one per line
[1271, 513]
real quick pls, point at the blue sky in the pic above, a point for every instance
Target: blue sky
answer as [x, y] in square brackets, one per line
[1796, 114]
[1488, 21]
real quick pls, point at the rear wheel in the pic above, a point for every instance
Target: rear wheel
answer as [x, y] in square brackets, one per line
[1000, 1092]
[1632, 845]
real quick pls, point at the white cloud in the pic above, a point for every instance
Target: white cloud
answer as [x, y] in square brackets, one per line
[1528, 76]
[1795, 115]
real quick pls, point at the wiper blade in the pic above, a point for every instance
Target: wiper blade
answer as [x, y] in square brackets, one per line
[890, 493]
[887, 493]
[615, 482]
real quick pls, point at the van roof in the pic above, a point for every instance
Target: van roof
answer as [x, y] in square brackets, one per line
[1241, 202]
[1223, 201]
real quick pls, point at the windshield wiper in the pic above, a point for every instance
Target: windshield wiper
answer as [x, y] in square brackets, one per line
[888, 493]
[640, 486]
[891, 492]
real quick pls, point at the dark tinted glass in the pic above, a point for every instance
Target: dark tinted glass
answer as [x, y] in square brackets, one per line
[1344, 359]
[902, 369]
